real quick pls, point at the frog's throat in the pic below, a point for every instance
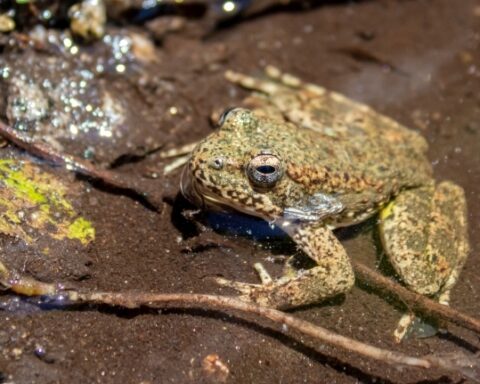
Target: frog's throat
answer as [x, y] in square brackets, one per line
[198, 194]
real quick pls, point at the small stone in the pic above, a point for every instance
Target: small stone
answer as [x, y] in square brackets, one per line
[7, 24]
[87, 19]
[17, 353]
[214, 367]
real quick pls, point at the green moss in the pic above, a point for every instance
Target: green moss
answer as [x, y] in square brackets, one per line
[82, 230]
[31, 198]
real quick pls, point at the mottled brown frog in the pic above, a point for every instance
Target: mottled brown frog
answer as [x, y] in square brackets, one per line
[312, 160]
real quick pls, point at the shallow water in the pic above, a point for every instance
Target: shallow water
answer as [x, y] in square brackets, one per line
[416, 61]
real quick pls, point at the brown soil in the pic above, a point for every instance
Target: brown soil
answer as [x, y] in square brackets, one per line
[416, 61]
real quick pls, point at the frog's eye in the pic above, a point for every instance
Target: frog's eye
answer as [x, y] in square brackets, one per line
[217, 163]
[265, 170]
[225, 114]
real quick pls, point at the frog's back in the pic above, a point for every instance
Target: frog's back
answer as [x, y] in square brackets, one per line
[333, 132]
[361, 147]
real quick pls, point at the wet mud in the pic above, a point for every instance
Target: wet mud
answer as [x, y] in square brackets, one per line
[416, 61]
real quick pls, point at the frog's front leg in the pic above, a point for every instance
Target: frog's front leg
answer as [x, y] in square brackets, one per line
[424, 233]
[332, 275]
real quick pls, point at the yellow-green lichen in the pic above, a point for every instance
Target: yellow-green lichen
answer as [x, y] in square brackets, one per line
[34, 202]
[81, 229]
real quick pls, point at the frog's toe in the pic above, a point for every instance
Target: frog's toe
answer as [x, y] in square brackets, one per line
[410, 325]
[403, 327]
[285, 78]
[243, 288]
[254, 293]
[265, 86]
[263, 273]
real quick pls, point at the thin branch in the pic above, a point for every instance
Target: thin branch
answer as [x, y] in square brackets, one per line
[458, 362]
[75, 164]
[416, 302]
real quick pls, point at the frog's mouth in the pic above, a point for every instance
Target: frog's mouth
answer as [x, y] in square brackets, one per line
[198, 194]
[188, 188]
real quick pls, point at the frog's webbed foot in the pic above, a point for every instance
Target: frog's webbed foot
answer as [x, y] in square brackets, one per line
[332, 275]
[424, 233]
[251, 292]
[258, 293]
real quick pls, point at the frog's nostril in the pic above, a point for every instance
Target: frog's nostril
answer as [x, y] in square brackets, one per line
[217, 163]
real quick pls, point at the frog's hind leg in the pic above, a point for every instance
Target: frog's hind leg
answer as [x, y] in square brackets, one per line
[294, 82]
[275, 82]
[260, 105]
[313, 93]
[260, 101]
[310, 90]
[266, 86]
[424, 233]
[305, 104]
[332, 275]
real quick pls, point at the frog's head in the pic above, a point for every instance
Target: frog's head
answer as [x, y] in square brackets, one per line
[244, 166]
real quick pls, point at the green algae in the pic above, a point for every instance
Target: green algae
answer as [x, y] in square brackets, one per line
[34, 203]
[81, 229]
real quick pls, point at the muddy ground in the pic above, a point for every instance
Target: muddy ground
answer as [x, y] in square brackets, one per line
[417, 61]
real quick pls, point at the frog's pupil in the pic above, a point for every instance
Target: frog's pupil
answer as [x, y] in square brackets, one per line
[266, 169]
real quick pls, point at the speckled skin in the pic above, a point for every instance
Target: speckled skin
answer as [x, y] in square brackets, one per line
[340, 163]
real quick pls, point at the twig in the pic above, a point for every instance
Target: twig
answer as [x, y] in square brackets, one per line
[416, 302]
[75, 164]
[135, 300]
[458, 362]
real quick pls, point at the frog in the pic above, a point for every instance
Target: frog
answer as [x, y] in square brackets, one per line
[311, 160]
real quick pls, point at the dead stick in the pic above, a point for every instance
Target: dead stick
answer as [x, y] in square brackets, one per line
[72, 163]
[416, 302]
[459, 362]
[135, 300]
